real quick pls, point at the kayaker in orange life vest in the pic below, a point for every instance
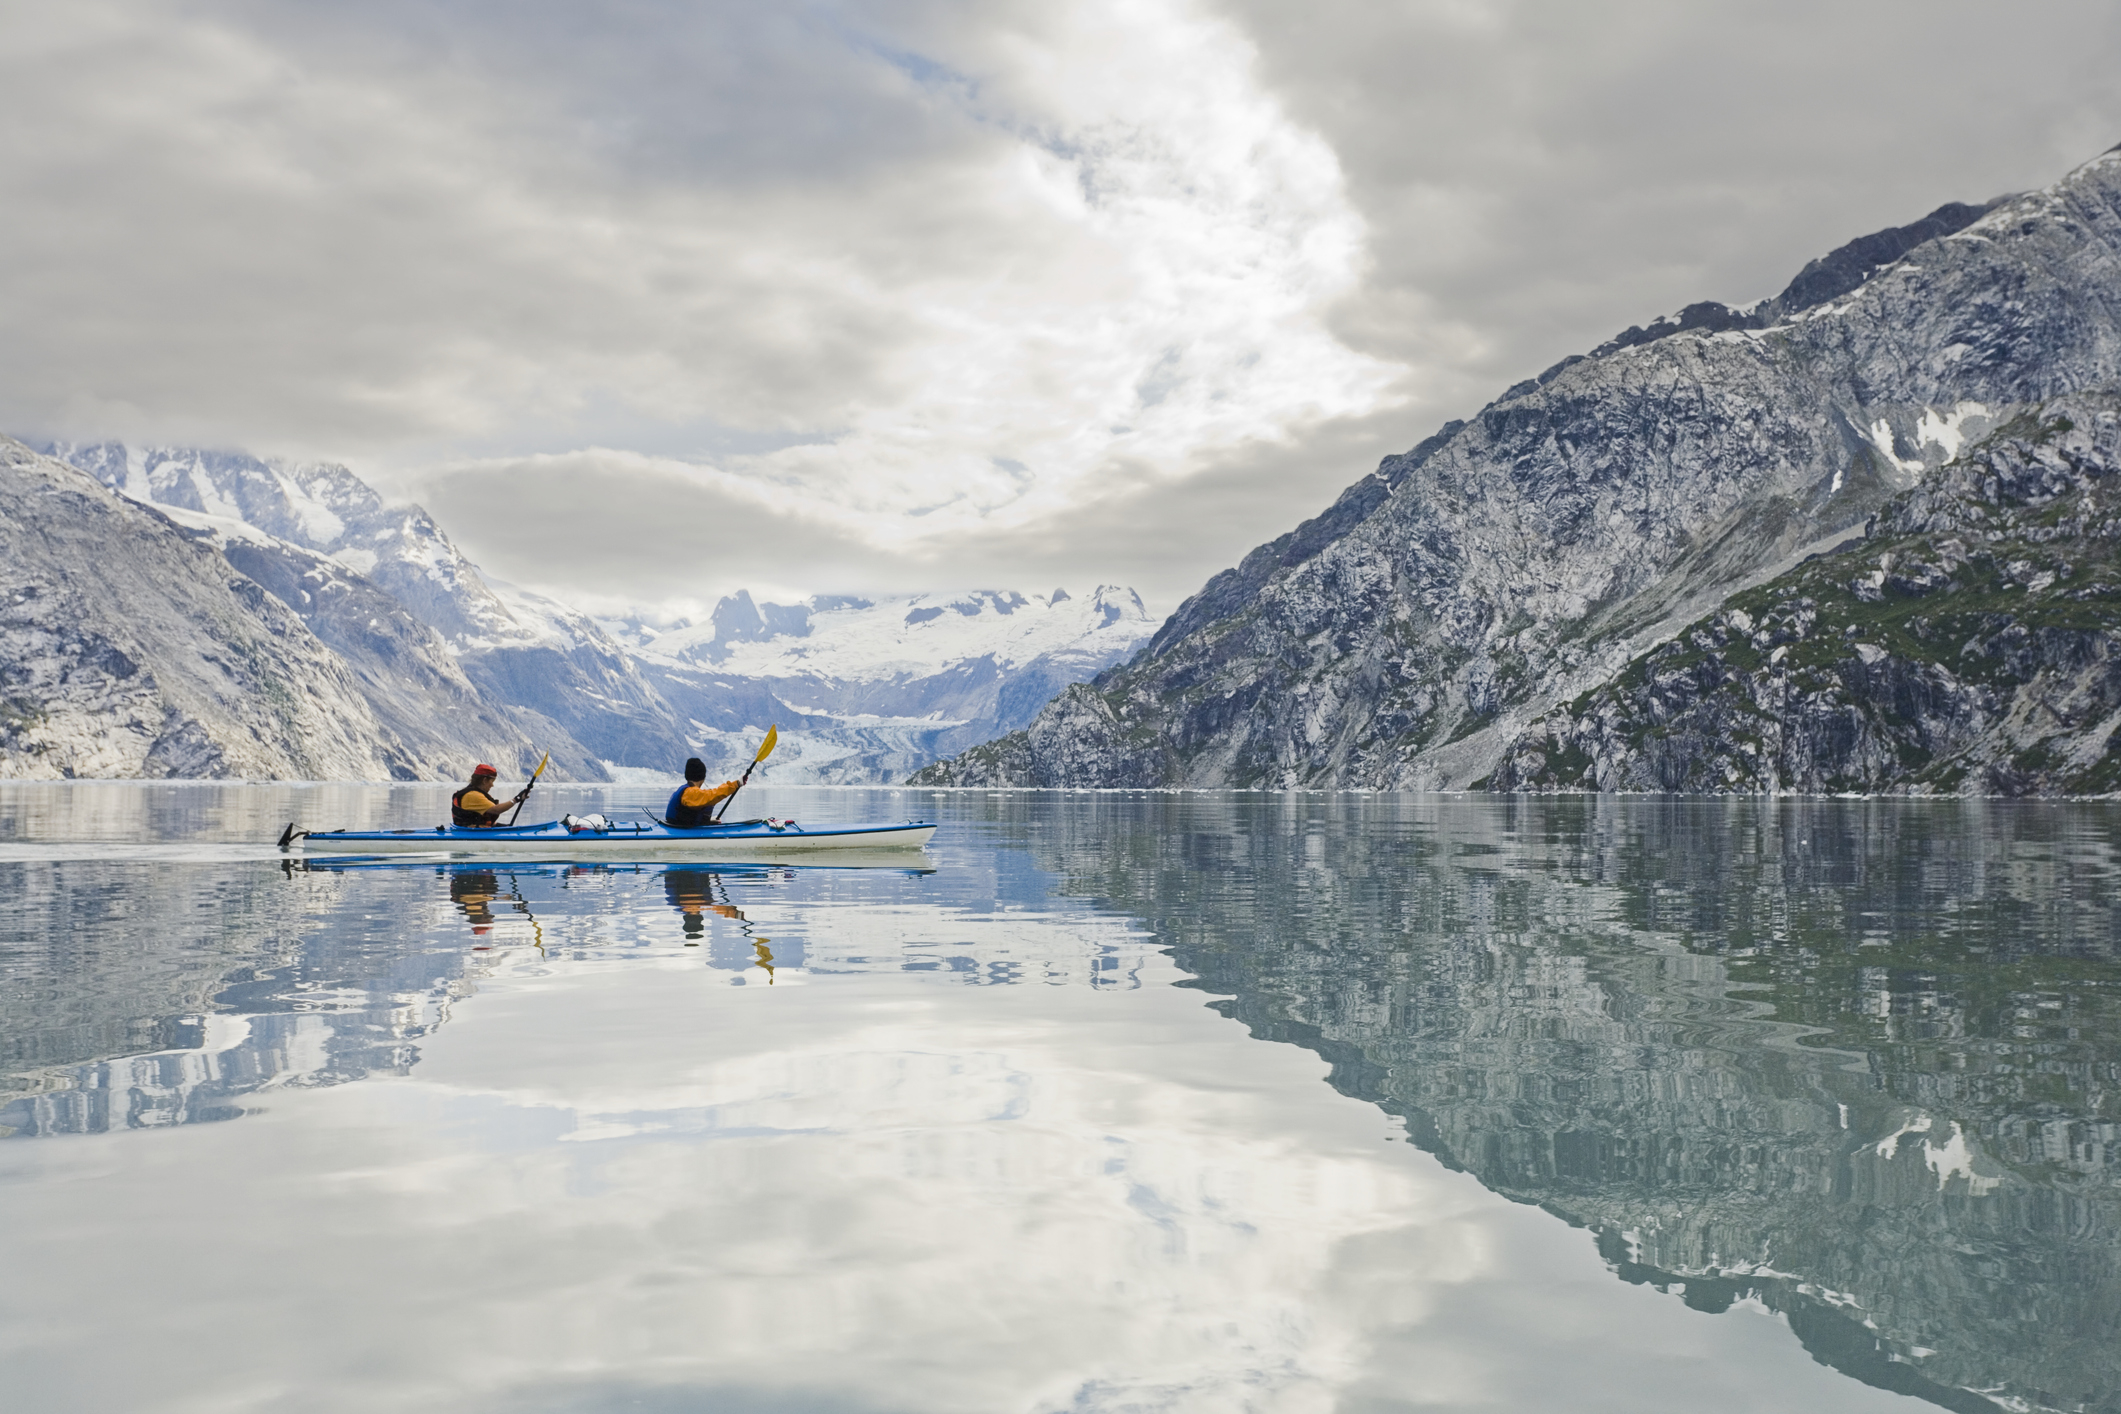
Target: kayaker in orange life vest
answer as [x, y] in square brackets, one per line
[692, 804]
[474, 805]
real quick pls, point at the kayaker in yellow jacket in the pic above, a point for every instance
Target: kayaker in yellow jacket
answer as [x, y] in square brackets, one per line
[692, 804]
[475, 805]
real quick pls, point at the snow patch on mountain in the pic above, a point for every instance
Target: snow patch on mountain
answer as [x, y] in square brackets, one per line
[859, 640]
[867, 689]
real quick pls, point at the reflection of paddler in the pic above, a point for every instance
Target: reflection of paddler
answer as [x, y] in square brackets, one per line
[691, 893]
[472, 892]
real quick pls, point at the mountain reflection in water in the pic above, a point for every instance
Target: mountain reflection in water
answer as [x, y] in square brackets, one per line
[1855, 1062]
[1859, 1061]
[159, 994]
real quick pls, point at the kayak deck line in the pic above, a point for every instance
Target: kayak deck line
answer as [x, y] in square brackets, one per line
[597, 834]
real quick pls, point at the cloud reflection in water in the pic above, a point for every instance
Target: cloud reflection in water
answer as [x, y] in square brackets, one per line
[595, 1175]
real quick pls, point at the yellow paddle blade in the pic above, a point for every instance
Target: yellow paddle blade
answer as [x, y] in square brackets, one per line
[541, 769]
[773, 734]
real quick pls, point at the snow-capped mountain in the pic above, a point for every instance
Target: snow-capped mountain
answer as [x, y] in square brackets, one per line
[129, 647]
[537, 673]
[413, 681]
[451, 666]
[321, 507]
[869, 689]
[894, 639]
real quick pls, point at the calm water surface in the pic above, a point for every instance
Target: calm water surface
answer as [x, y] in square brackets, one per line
[1109, 1102]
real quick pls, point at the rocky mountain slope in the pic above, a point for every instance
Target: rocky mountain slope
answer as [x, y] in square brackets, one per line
[129, 647]
[866, 690]
[1410, 634]
[453, 667]
[464, 668]
[1971, 642]
[438, 717]
[321, 507]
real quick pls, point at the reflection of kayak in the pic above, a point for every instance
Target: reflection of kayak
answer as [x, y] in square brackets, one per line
[561, 838]
[750, 867]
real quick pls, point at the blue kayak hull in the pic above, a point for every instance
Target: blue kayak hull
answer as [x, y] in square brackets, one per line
[553, 837]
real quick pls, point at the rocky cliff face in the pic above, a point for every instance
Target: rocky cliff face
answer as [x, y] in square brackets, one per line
[457, 668]
[1972, 643]
[319, 506]
[1410, 634]
[567, 681]
[131, 648]
[438, 719]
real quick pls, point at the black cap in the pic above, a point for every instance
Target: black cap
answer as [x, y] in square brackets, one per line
[695, 769]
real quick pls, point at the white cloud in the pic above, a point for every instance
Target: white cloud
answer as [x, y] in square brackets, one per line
[921, 291]
[1105, 253]
[1163, 243]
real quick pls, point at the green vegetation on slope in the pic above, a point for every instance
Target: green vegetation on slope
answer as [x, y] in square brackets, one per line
[1966, 646]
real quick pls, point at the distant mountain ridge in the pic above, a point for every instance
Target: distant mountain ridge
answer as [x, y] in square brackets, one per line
[877, 687]
[1413, 632]
[450, 667]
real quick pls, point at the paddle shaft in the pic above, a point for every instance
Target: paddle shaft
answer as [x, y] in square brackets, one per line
[525, 796]
[773, 734]
[741, 782]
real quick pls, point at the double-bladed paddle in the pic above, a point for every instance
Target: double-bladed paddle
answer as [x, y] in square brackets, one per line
[773, 734]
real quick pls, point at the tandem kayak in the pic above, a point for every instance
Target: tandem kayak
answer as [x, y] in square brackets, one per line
[596, 835]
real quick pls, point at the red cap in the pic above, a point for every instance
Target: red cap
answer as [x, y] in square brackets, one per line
[482, 769]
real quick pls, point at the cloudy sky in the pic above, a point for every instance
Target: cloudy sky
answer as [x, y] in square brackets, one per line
[652, 299]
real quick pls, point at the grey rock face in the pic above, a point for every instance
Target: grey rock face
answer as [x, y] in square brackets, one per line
[1971, 644]
[321, 507]
[130, 648]
[1406, 636]
[586, 693]
[440, 722]
[456, 669]
[1838, 272]
[318, 506]
[738, 618]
